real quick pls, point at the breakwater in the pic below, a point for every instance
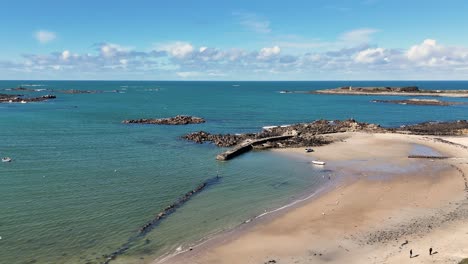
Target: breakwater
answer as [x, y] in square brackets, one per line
[170, 209]
[247, 146]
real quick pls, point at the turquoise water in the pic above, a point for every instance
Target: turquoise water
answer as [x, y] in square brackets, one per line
[82, 183]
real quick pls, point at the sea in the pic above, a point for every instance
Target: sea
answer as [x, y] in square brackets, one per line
[82, 183]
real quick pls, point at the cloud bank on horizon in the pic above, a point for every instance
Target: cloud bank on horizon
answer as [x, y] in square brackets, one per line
[276, 55]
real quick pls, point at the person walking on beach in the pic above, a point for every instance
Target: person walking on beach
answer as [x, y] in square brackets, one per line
[430, 251]
[411, 253]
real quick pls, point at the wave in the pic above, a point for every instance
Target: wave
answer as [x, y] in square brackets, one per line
[33, 85]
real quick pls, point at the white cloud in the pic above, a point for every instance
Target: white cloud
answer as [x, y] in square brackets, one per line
[44, 36]
[357, 36]
[66, 54]
[269, 52]
[430, 53]
[110, 49]
[424, 50]
[371, 56]
[185, 61]
[177, 49]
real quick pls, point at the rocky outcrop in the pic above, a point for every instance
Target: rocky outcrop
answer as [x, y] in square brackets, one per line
[177, 120]
[220, 140]
[456, 128]
[305, 134]
[7, 98]
[418, 102]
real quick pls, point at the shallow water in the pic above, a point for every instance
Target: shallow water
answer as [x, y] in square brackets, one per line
[82, 183]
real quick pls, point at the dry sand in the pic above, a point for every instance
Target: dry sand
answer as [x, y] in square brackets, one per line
[387, 200]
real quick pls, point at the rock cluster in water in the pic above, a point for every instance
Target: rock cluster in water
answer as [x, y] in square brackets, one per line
[305, 134]
[9, 98]
[418, 102]
[177, 120]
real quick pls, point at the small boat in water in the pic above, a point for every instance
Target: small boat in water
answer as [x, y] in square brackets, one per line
[318, 162]
[6, 159]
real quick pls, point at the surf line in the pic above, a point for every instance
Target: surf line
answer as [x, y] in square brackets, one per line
[170, 209]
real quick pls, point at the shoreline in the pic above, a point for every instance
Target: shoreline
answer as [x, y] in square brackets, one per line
[243, 242]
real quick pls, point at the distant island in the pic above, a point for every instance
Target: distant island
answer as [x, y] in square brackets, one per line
[405, 91]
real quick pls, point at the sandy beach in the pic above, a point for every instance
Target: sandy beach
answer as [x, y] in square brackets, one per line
[381, 206]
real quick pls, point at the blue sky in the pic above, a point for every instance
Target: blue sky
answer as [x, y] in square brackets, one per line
[233, 40]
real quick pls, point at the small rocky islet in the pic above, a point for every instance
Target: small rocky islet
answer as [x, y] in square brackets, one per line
[176, 120]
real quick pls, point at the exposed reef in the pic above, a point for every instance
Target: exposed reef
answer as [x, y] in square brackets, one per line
[418, 102]
[12, 98]
[177, 120]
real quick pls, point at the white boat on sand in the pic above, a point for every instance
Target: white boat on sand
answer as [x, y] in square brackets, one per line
[318, 162]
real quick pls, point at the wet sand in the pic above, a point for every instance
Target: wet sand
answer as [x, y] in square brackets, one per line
[381, 200]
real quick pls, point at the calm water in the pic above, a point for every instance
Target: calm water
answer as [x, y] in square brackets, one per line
[82, 183]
